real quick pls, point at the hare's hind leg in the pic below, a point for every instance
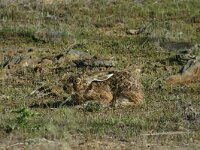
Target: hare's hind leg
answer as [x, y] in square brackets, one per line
[132, 98]
[100, 92]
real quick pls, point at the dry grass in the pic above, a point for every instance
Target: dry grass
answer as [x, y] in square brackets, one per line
[189, 76]
[40, 33]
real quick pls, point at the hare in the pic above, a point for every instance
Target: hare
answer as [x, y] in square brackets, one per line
[114, 87]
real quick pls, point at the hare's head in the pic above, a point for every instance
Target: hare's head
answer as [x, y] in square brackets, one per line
[81, 82]
[73, 84]
[78, 83]
[77, 80]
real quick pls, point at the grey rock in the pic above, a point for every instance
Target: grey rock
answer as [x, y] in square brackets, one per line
[48, 35]
[182, 47]
[17, 59]
[189, 64]
[5, 62]
[95, 63]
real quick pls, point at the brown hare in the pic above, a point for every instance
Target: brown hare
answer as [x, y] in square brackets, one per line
[114, 87]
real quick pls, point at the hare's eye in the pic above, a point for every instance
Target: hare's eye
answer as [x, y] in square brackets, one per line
[77, 80]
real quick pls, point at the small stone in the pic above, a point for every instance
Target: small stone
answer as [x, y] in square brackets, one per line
[133, 31]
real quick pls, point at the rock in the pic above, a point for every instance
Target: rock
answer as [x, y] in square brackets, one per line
[135, 31]
[4, 61]
[75, 54]
[180, 52]
[72, 55]
[177, 46]
[191, 73]
[48, 35]
[95, 63]
[17, 59]
[189, 64]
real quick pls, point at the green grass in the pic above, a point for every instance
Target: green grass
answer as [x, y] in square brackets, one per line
[99, 27]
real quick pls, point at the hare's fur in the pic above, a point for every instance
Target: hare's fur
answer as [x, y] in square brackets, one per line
[115, 87]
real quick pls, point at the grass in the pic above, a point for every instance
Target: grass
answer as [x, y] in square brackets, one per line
[101, 28]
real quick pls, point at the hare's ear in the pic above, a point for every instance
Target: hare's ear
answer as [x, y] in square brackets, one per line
[104, 77]
[99, 78]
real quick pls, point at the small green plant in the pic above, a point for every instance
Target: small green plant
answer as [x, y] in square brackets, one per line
[92, 106]
[22, 121]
